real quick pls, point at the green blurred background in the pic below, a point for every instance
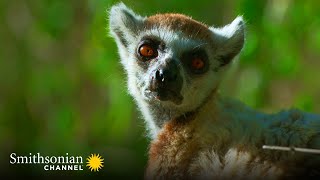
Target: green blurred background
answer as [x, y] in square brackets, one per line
[62, 88]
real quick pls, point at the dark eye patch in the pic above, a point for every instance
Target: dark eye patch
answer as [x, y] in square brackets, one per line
[196, 61]
[148, 50]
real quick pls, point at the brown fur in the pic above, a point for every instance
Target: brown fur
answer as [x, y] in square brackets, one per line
[179, 22]
[174, 149]
[196, 147]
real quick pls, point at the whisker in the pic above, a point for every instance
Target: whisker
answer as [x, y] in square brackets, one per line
[199, 46]
[292, 149]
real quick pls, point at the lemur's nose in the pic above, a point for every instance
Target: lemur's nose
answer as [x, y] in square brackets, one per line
[166, 82]
[166, 73]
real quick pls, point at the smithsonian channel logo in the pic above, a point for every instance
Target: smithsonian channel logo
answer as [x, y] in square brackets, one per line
[59, 163]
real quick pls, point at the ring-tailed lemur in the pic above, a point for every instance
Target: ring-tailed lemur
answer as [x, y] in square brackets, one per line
[174, 66]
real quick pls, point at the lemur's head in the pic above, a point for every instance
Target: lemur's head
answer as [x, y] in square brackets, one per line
[171, 59]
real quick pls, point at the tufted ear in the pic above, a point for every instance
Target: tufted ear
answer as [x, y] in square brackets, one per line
[230, 40]
[124, 24]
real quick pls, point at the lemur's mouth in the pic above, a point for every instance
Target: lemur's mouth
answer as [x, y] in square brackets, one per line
[163, 94]
[169, 95]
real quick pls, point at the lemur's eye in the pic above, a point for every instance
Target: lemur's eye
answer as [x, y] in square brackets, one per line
[147, 51]
[197, 63]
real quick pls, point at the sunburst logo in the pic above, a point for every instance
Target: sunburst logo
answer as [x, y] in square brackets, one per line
[95, 162]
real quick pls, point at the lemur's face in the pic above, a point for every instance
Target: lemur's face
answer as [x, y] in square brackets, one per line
[170, 58]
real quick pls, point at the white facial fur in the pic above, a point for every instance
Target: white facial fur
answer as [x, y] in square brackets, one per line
[129, 29]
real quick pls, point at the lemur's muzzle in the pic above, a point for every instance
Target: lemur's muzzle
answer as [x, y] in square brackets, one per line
[166, 83]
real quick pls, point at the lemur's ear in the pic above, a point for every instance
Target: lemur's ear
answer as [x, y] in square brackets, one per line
[124, 24]
[230, 40]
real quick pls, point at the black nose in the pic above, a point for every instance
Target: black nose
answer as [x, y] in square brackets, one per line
[166, 82]
[166, 74]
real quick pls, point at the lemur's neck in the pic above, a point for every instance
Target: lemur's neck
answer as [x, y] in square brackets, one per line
[156, 115]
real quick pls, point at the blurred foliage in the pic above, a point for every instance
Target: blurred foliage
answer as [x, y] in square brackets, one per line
[63, 89]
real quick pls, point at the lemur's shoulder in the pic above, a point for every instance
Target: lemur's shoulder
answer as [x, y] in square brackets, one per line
[193, 138]
[216, 143]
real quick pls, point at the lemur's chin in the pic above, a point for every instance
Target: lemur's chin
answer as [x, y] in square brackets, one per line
[169, 96]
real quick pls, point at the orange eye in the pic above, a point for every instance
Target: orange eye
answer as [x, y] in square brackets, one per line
[197, 63]
[147, 51]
